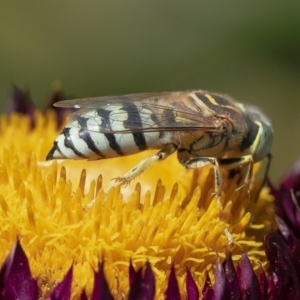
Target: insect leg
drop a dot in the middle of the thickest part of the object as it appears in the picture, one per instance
(145, 164)
(199, 162)
(265, 176)
(231, 163)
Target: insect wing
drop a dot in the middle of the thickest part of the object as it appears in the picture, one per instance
(101, 102)
(138, 113)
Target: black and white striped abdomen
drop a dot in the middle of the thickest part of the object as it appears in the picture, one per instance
(105, 133)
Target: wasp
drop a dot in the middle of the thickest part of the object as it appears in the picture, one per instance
(202, 127)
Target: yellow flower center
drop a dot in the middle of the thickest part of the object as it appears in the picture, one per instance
(168, 216)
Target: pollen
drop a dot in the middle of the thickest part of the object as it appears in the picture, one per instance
(64, 214)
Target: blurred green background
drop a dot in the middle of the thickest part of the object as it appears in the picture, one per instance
(247, 49)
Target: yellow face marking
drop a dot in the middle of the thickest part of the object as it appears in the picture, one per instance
(255, 143)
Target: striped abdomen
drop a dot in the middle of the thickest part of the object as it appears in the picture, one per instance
(94, 133)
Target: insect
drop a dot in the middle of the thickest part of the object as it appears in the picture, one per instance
(204, 128)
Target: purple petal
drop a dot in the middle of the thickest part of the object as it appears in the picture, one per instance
(263, 284)
(21, 102)
(207, 292)
(16, 276)
(231, 276)
(63, 290)
(279, 256)
(135, 285)
(287, 205)
(61, 112)
(296, 258)
(3, 272)
(132, 273)
(248, 281)
(221, 288)
(100, 290)
(147, 290)
(172, 292)
(292, 180)
(191, 287)
(289, 213)
(286, 230)
(56, 96)
(141, 287)
(83, 295)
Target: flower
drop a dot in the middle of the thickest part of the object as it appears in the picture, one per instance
(165, 231)
(230, 282)
(16, 281)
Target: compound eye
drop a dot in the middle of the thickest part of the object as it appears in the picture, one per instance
(265, 142)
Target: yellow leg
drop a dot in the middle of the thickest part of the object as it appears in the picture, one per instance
(144, 165)
(229, 163)
(199, 162)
